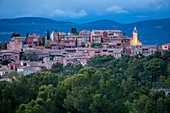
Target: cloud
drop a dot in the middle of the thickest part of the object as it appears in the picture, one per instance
(155, 5)
(78, 14)
(59, 12)
(69, 13)
(88, 9)
(141, 16)
(116, 10)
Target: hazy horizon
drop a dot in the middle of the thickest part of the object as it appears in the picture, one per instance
(76, 22)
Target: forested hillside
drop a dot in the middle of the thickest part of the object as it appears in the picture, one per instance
(106, 85)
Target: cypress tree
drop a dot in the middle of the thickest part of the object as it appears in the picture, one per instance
(48, 35)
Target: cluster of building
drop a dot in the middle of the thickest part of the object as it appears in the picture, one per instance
(33, 53)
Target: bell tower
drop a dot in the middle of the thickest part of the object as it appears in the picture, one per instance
(135, 36)
(135, 40)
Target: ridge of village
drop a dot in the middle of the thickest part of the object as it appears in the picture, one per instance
(33, 53)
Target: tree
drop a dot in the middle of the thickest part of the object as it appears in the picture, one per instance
(139, 56)
(161, 106)
(96, 44)
(117, 67)
(3, 45)
(74, 31)
(57, 68)
(134, 69)
(107, 85)
(145, 105)
(13, 74)
(92, 90)
(129, 107)
(92, 43)
(22, 56)
(78, 67)
(5, 62)
(43, 41)
(68, 69)
(166, 56)
(83, 44)
(43, 103)
(76, 43)
(48, 35)
(26, 39)
(47, 43)
(167, 104)
(99, 61)
(168, 69)
(100, 104)
(155, 68)
(40, 44)
(124, 34)
(15, 35)
(5, 104)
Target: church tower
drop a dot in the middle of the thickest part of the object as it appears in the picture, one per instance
(135, 36)
(135, 41)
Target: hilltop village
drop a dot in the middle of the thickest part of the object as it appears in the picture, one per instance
(33, 53)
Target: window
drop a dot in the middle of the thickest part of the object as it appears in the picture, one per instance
(152, 51)
(118, 44)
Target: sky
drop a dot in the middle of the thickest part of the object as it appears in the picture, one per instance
(82, 11)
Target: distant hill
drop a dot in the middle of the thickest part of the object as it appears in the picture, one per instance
(150, 32)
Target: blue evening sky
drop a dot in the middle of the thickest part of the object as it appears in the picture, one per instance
(81, 11)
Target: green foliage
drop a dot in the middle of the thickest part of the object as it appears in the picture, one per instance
(145, 105)
(76, 43)
(96, 45)
(166, 56)
(155, 68)
(24, 90)
(3, 45)
(47, 43)
(168, 69)
(107, 85)
(57, 68)
(22, 56)
(87, 91)
(99, 61)
(26, 39)
(68, 69)
(48, 35)
(92, 44)
(77, 67)
(5, 62)
(15, 35)
(74, 31)
(43, 42)
(13, 74)
(129, 107)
